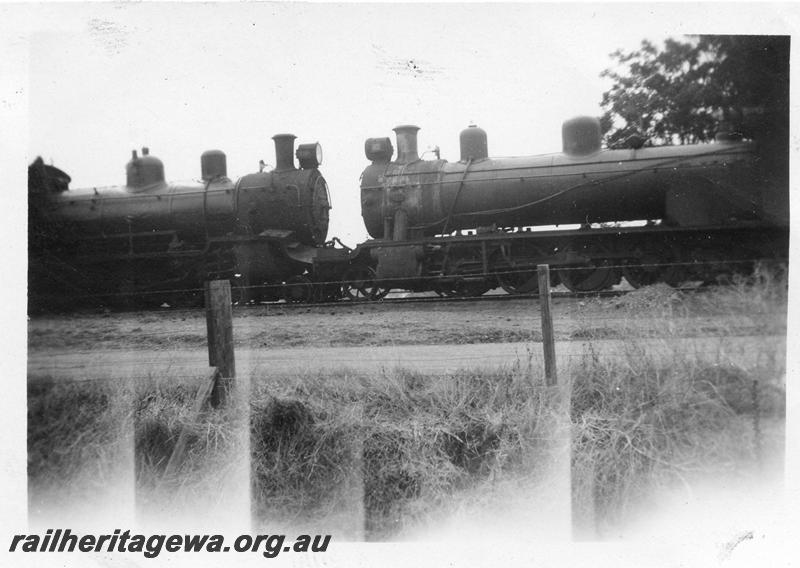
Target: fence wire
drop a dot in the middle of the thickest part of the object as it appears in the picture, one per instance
(277, 288)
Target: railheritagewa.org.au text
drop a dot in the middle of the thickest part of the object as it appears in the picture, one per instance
(64, 540)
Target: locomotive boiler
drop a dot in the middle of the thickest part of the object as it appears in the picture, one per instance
(476, 223)
(151, 239)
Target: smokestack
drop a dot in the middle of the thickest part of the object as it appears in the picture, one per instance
(284, 151)
(407, 143)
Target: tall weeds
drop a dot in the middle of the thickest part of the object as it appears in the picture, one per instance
(657, 415)
(400, 448)
(78, 444)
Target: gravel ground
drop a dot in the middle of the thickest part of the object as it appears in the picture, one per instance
(639, 314)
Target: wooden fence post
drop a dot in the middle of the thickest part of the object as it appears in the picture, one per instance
(548, 337)
(219, 320)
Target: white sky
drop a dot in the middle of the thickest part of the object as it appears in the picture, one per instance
(184, 78)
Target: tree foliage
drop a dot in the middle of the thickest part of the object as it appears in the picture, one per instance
(682, 92)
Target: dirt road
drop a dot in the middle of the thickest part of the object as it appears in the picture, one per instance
(189, 364)
(276, 339)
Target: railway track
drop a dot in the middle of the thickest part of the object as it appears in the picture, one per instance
(304, 293)
(173, 300)
(392, 299)
(413, 299)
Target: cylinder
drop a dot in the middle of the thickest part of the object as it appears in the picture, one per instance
(473, 143)
(581, 136)
(407, 143)
(213, 165)
(284, 151)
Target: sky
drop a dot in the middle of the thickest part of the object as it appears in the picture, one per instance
(183, 78)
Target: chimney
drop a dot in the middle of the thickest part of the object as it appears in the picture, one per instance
(407, 143)
(284, 151)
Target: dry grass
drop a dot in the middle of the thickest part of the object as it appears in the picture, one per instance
(398, 449)
(655, 416)
(78, 443)
(215, 457)
(379, 456)
(754, 304)
(639, 430)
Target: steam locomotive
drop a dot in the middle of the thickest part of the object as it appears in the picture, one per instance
(151, 241)
(648, 214)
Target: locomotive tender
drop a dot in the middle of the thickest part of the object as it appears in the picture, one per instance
(702, 210)
(158, 241)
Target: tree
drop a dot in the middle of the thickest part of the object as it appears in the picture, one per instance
(683, 92)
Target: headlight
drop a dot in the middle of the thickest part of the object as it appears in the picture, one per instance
(378, 149)
(309, 155)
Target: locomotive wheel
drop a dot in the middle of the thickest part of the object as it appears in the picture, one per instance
(594, 278)
(466, 288)
(638, 276)
(588, 279)
(380, 292)
(656, 269)
(707, 268)
(327, 293)
(464, 285)
(241, 292)
(178, 299)
(241, 295)
(674, 276)
(298, 290)
(359, 284)
(515, 281)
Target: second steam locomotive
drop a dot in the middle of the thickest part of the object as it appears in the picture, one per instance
(467, 226)
(648, 214)
(152, 241)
